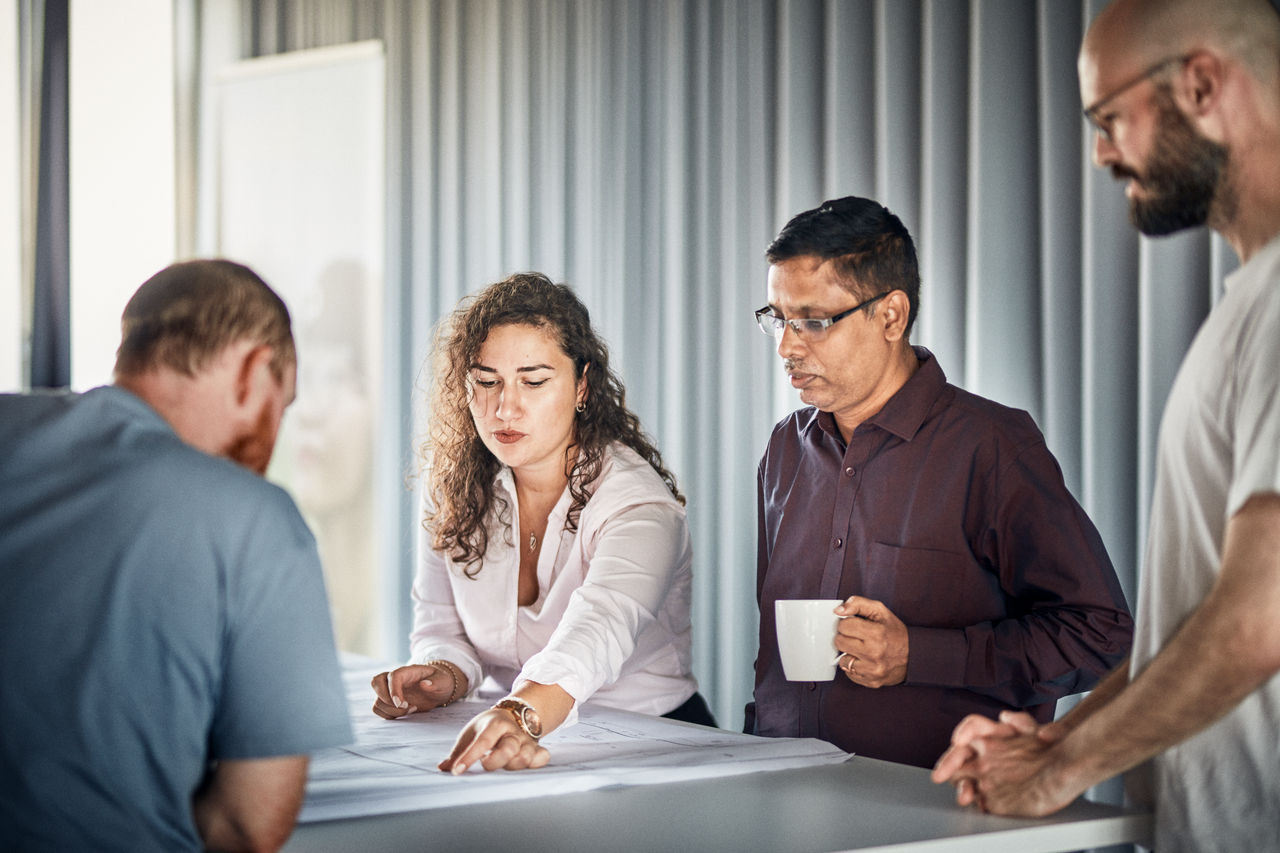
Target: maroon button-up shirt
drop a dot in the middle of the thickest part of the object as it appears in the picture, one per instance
(950, 510)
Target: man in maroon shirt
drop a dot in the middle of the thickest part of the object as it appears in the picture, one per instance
(972, 580)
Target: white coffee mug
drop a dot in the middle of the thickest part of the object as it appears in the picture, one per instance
(807, 638)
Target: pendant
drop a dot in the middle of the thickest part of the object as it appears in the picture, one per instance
(533, 542)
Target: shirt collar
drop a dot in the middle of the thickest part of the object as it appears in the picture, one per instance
(907, 409)
(1262, 257)
(124, 397)
(506, 479)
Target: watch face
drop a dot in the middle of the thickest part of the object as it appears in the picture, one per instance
(531, 721)
(525, 715)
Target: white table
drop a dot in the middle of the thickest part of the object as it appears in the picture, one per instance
(859, 804)
(862, 804)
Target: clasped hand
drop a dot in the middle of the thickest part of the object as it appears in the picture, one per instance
(1005, 767)
(407, 689)
(873, 643)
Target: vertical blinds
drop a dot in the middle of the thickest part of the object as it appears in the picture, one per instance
(647, 153)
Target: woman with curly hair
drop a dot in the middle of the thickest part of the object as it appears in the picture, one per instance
(555, 551)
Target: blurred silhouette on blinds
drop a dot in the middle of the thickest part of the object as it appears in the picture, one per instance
(331, 445)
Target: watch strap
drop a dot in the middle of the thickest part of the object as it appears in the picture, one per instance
(518, 708)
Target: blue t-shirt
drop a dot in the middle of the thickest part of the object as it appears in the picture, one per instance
(159, 609)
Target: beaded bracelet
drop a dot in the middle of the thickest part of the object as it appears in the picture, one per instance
(455, 674)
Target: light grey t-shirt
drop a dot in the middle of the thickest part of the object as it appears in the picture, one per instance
(1219, 445)
(159, 609)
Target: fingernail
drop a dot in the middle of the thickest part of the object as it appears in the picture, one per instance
(413, 709)
(459, 769)
(395, 700)
(425, 682)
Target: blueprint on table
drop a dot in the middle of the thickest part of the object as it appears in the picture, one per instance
(392, 765)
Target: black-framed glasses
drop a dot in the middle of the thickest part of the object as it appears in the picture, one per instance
(807, 328)
(1093, 114)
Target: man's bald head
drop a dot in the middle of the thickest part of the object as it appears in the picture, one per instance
(1130, 36)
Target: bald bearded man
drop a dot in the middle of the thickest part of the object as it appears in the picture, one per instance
(1185, 98)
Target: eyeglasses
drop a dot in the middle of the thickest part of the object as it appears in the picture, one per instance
(807, 328)
(1093, 112)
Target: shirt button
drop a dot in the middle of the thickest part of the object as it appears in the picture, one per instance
(837, 543)
(810, 685)
(848, 471)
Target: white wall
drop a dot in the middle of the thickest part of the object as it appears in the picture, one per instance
(10, 204)
(123, 210)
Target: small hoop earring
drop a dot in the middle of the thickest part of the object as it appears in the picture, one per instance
(581, 407)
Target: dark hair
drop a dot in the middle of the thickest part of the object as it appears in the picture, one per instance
(460, 469)
(871, 248)
(187, 313)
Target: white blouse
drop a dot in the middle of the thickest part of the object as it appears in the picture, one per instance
(611, 621)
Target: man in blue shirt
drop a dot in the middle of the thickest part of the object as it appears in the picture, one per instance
(166, 656)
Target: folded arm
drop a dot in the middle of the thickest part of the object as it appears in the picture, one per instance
(1068, 624)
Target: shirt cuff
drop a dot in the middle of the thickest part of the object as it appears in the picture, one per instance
(570, 720)
(936, 657)
(565, 671)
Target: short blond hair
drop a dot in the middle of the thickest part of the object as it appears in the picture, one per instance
(187, 313)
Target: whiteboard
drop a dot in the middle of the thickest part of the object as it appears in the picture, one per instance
(301, 198)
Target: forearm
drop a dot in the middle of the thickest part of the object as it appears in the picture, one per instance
(250, 805)
(1040, 657)
(1107, 690)
(1224, 650)
(1222, 653)
(551, 702)
(1186, 688)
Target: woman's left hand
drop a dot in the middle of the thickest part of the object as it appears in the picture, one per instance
(497, 741)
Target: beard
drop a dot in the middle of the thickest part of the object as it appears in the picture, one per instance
(253, 448)
(1183, 176)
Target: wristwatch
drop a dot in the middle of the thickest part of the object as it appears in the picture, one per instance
(526, 715)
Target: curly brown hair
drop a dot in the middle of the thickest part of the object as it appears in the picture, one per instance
(460, 469)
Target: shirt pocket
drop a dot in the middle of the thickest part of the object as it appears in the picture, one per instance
(929, 588)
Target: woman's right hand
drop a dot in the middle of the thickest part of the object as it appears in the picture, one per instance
(417, 687)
